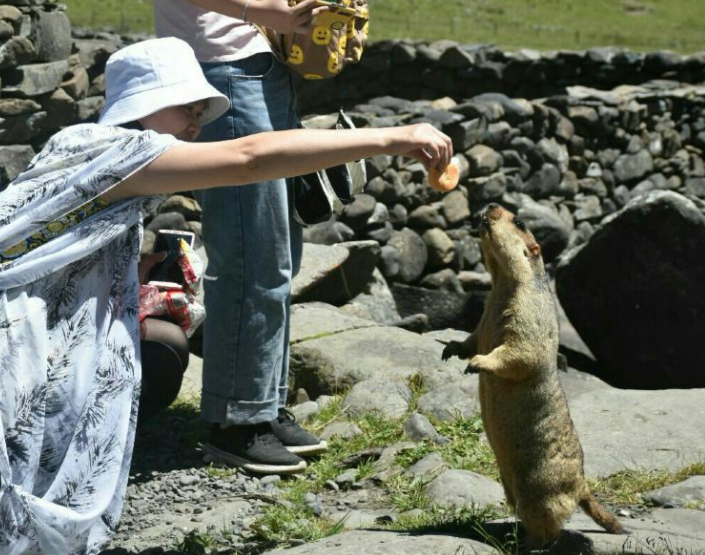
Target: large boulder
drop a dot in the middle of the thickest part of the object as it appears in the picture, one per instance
(334, 274)
(634, 293)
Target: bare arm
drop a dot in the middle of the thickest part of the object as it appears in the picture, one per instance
(277, 154)
(275, 14)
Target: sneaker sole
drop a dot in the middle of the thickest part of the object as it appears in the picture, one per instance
(317, 449)
(258, 468)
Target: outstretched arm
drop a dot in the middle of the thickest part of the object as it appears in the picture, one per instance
(277, 154)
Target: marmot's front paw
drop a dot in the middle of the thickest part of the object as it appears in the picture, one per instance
(470, 369)
(452, 349)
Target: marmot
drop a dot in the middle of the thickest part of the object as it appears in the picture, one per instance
(524, 408)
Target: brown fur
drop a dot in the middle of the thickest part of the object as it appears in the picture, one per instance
(524, 408)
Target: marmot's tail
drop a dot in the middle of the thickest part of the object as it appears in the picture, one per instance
(600, 515)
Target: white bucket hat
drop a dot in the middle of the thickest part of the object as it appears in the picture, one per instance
(154, 74)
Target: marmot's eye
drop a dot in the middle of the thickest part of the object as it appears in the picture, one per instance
(520, 224)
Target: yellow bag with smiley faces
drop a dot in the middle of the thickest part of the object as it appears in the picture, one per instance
(337, 38)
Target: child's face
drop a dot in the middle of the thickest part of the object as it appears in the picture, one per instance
(180, 121)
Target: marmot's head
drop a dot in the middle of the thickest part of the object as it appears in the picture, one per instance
(509, 248)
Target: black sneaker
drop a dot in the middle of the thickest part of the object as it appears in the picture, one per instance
(294, 438)
(253, 448)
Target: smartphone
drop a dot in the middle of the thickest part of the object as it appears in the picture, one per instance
(168, 272)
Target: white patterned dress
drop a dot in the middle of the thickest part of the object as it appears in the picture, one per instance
(69, 340)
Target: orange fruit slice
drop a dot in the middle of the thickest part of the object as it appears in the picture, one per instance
(445, 180)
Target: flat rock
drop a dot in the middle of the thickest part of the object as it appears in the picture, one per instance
(462, 488)
(332, 351)
(383, 397)
(629, 429)
(691, 490)
(344, 430)
(452, 400)
(663, 531)
(389, 543)
(428, 466)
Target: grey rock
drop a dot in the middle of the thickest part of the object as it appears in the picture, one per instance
(419, 428)
(187, 206)
(546, 224)
(305, 411)
(89, 108)
(587, 208)
(445, 279)
(386, 398)
(334, 274)
(328, 233)
(636, 293)
(388, 543)
(430, 465)
(34, 80)
(61, 110)
(375, 303)
(612, 425)
(447, 402)
(631, 167)
(487, 188)
(344, 430)
(13, 161)
(16, 51)
(544, 183)
(475, 281)
(426, 217)
(20, 129)
(77, 85)
(462, 488)
(441, 248)
(52, 35)
(445, 309)
(328, 355)
(663, 530)
(413, 254)
(455, 207)
(691, 490)
(18, 106)
(483, 160)
(467, 133)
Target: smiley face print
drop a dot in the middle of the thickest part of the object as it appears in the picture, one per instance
(322, 35)
(333, 63)
(296, 55)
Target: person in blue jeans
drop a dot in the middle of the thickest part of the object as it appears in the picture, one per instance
(252, 242)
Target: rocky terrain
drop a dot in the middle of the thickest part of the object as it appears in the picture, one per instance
(600, 152)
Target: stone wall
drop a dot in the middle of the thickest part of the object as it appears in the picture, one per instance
(419, 70)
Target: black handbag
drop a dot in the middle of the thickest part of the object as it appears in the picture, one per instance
(319, 195)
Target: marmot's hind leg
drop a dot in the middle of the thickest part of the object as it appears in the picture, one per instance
(541, 521)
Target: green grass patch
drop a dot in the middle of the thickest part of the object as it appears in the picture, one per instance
(626, 487)
(545, 24)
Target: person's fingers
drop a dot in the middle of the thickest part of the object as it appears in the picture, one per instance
(305, 6)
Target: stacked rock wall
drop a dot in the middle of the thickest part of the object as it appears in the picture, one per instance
(419, 70)
(562, 163)
(48, 79)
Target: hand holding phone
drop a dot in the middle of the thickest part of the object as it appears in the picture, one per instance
(168, 272)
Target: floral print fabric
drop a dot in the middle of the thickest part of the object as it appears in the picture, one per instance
(69, 342)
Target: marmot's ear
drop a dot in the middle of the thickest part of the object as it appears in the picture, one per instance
(535, 249)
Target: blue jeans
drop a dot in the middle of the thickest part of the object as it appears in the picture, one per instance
(254, 250)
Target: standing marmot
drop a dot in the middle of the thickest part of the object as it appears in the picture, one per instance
(524, 408)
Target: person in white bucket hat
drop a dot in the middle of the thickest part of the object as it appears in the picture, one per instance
(153, 75)
(70, 233)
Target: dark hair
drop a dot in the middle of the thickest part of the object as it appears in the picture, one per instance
(132, 125)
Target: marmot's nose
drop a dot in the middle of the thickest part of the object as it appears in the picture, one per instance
(492, 211)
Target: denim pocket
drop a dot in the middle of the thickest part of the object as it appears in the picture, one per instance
(254, 68)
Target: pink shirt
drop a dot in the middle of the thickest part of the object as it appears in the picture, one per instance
(213, 37)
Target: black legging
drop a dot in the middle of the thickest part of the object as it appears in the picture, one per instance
(164, 360)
